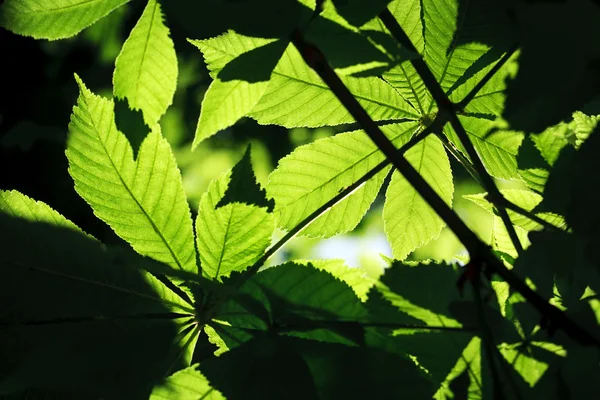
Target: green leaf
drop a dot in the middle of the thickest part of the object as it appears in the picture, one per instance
(224, 104)
(525, 199)
(583, 125)
(446, 25)
(313, 174)
(296, 299)
(307, 369)
(424, 291)
(409, 222)
(146, 68)
(435, 351)
(142, 200)
(404, 77)
(241, 67)
(497, 148)
(354, 277)
(296, 97)
(61, 291)
(18, 205)
(551, 142)
(53, 19)
(221, 50)
(187, 384)
(232, 231)
(353, 51)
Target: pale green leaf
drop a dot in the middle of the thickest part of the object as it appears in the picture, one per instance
(224, 104)
(313, 174)
(142, 200)
(53, 19)
(296, 96)
(146, 68)
(18, 205)
(232, 237)
(409, 222)
(187, 384)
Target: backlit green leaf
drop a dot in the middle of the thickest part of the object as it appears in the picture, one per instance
(229, 99)
(404, 77)
(409, 222)
(146, 68)
(525, 199)
(220, 50)
(354, 277)
(18, 205)
(53, 19)
(143, 199)
(296, 96)
(224, 104)
(313, 174)
(187, 384)
(497, 149)
(231, 236)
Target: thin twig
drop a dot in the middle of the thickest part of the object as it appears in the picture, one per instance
(444, 104)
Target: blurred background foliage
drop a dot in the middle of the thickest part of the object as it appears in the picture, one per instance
(39, 91)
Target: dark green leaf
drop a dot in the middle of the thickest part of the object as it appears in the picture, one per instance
(80, 317)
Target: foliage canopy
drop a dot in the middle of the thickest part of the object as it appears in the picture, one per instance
(190, 309)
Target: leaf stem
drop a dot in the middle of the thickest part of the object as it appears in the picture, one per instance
(444, 104)
(478, 250)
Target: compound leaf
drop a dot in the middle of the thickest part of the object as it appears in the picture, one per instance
(53, 19)
(313, 174)
(408, 221)
(146, 69)
(142, 200)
